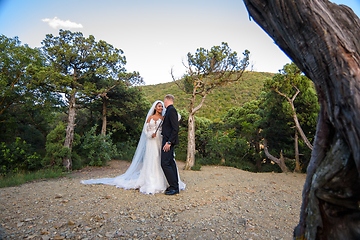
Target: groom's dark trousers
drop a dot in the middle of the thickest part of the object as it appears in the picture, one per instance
(170, 130)
(168, 165)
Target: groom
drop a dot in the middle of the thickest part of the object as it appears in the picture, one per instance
(170, 130)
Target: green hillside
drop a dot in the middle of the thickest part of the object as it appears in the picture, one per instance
(217, 102)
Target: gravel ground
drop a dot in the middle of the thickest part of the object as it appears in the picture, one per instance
(218, 203)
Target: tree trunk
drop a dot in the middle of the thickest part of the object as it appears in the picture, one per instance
(69, 138)
(322, 39)
(279, 161)
(190, 159)
(103, 129)
(296, 120)
(299, 129)
(297, 160)
(257, 149)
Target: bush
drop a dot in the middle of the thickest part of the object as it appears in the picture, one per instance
(226, 148)
(126, 150)
(196, 167)
(243, 165)
(55, 150)
(97, 149)
(201, 126)
(270, 167)
(76, 162)
(18, 156)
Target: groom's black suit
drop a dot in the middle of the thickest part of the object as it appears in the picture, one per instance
(170, 131)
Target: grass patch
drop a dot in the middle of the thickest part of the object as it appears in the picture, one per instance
(16, 179)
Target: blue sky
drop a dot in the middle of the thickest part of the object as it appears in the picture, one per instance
(154, 35)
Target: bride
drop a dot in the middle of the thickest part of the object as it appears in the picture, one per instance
(145, 172)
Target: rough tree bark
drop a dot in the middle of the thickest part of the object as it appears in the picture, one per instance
(297, 159)
(190, 158)
(104, 116)
(69, 137)
(322, 39)
(257, 149)
(105, 102)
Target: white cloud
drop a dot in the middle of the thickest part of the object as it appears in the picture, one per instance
(57, 23)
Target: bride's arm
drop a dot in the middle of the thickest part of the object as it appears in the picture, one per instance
(148, 120)
(149, 131)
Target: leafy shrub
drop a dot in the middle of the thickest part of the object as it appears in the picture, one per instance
(126, 150)
(18, 156)
(226, 148)
(196, 167)
(243, 165)
(290, 163)
(201, 126)
(97, 149)
(76, 161)
(55, 150)
(270, 167)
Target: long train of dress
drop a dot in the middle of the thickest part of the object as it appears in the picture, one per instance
(146, 174)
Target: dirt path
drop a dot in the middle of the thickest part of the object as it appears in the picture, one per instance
(218, 203)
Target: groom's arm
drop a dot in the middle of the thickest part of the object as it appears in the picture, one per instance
(173, 117)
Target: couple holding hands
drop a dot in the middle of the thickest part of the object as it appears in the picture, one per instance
(153, 168)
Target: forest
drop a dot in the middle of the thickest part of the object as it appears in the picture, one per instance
(72, 104)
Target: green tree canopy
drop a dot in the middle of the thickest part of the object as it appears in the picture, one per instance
(24, 105)
(206, 71)
(16, 86)
(72, 58)
(278, 123)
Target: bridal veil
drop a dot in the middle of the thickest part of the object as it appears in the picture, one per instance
(129, 178)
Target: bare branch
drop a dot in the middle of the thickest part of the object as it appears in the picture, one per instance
(177, 82)
(297, 92)
(296, 120)
(200, 104)
(278, 161)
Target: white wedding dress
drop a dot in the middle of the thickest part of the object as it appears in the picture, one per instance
(145, 172)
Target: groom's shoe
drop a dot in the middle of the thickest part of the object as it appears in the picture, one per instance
(167, 189)
(172, 192)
